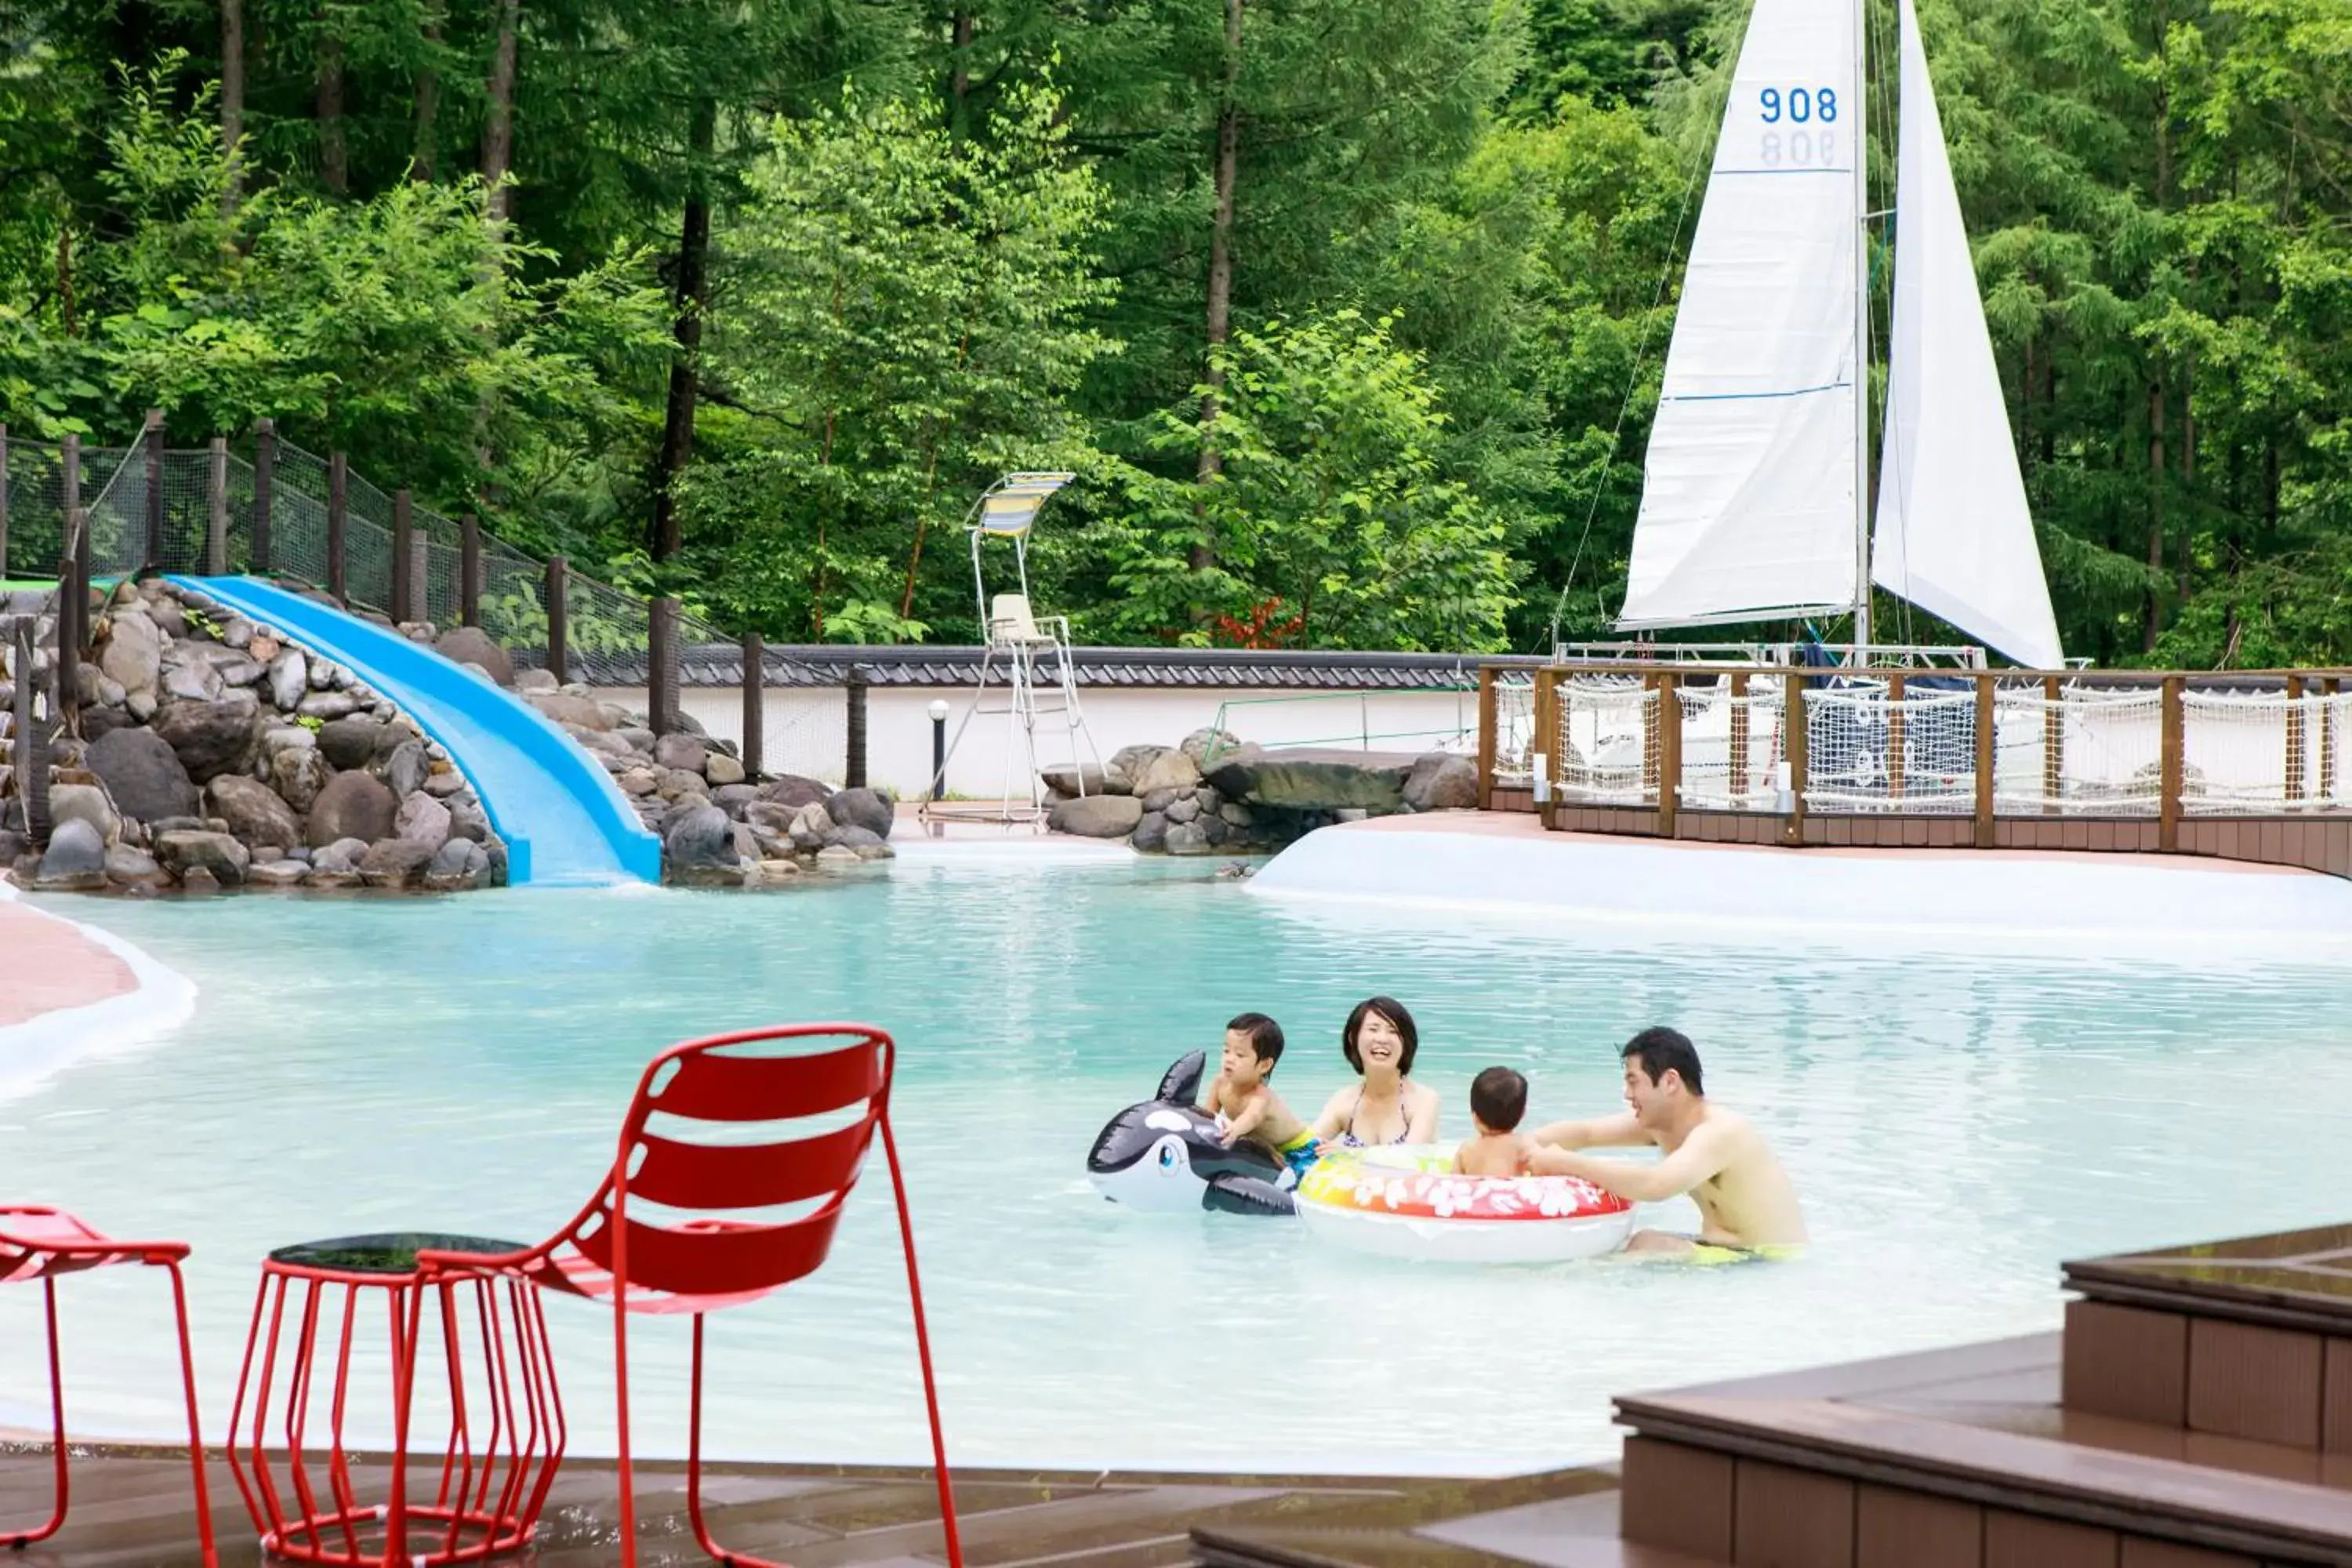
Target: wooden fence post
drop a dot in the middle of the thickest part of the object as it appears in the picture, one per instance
(2169, 768)
(1670, 751)
(1796, 728)
(1986, 759)
(661, 652)
(2298, 757)
(854, 766)
(339, 483)
(216, 511)
(469, 570)
(404, 559)
(265, 465)
(32, 761)
(73, 593)
(755, 705)
(2054, 745)
(559, 619)
(1544, 780)
(1489, 747)
(151, 442)
(3, 503)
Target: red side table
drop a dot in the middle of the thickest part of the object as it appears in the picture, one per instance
(506, 1429)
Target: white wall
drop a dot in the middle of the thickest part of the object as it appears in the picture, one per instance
(805, 730)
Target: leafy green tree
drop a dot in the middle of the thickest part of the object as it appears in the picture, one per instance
(1329, 499)
(905, 318)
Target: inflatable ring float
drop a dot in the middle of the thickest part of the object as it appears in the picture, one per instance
(1408, 1203)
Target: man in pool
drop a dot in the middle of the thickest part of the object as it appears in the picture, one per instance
(1746, 1206)
(1245, 1105)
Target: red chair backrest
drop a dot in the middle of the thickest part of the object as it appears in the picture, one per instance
(714, 1081)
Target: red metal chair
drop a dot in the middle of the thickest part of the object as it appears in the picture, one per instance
(695, 1260)
(41, 1244)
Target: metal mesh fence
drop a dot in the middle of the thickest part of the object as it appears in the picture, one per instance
(37, 506)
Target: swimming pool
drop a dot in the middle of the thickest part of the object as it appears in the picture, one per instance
(1957, 1124)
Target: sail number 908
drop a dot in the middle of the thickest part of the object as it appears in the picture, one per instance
(1801, 105)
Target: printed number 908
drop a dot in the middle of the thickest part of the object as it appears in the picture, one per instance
(1801, 105)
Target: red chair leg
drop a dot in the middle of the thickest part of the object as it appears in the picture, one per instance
(923, 1352)
(195, 1427)
(17, 1541)
(694, 1471)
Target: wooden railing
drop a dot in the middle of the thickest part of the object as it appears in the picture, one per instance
(2242, 764)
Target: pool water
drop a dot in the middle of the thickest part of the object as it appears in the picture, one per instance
(1958, 1123)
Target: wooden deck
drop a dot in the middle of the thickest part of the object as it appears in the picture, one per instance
(133, 1509)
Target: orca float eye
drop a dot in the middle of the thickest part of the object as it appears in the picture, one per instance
(1167, 1158)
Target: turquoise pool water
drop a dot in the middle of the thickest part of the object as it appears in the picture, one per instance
(1957, 1125)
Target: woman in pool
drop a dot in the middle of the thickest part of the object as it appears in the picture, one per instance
(1387, 1107)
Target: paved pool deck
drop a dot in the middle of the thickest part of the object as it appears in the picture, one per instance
(49, 965)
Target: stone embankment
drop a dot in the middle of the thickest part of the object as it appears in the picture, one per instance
(1216, 795)
(215, 754)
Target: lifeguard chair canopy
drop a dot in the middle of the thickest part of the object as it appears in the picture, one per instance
(1009, 505)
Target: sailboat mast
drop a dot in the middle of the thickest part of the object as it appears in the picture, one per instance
(1861, 132)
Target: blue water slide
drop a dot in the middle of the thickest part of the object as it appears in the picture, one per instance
(563, 817)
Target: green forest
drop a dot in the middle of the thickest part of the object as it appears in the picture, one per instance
(1348, 314)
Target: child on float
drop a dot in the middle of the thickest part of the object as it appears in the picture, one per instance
(1498, 1098)
(1245, 1105)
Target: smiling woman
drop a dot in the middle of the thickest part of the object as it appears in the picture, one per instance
(1380, 1041)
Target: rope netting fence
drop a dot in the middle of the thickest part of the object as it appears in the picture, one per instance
(2088, 749)
(199, 512)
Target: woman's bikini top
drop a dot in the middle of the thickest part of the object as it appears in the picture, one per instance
(1349, 1138)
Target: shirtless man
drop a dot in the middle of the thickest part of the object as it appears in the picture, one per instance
(1746, 1203)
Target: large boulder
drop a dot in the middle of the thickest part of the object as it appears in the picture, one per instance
(1200, 743)
(1371, 782)
(356, 741)
(143, 774)
(722, 770)
(1164, 767)
(186, 850)
(681, 751)
(1086, 780)
(129, 867)
(404, 771)
(351, 805)
(566, 708)
(1096, 815)
(134, 654)
(297, 773)
(791, 789)
(422, 820)
(289, 679)
(85, 803)
(75, 861)
(699, 848)
(1441, 781)
(862, 807)
(471, 645)
(457, 865)
(209, 738)
(1151, 832)
(395, 863)
(255, 815)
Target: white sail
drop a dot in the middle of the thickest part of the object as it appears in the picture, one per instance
(1747, 496)
(1953, 536)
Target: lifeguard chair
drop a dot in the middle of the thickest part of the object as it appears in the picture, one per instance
(1025, 661)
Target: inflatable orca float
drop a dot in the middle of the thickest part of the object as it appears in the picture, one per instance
(1163, 1155)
